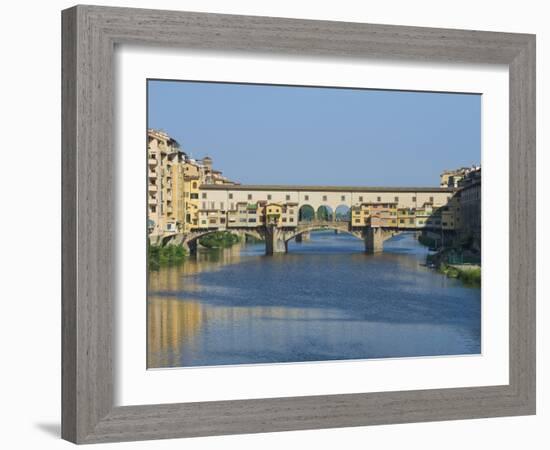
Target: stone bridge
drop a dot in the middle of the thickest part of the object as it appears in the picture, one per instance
(277, 238)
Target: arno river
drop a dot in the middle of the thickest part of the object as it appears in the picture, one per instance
(324, 300)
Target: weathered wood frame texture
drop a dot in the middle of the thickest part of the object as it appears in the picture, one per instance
(89, 37)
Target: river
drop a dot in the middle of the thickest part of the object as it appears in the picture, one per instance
(324, 300)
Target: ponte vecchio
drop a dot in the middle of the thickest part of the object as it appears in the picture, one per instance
(278, 213)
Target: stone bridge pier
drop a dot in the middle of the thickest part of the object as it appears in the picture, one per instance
(275, 241)
(374, 238)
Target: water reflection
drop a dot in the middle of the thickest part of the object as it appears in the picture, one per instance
(325, 300)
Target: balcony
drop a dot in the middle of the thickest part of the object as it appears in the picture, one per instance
(153, 188)
(152, 161)
(152, 174)
(152, 201)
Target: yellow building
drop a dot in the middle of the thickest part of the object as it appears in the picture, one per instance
(374, 214)
(175, 193)
(406, 218)
(450, 215)
(360, 215)
(163, 153)
(273, 213)
(383, 214)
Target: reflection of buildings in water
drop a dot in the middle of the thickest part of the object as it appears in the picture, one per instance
(170, 323)
(171, 278)
(173, 325)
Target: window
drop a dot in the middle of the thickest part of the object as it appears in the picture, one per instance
(378, 199)
(212, 205)
(203, 205)
(204, 195)
(396, 199)
(252, 220)
(221, 205)
(194, 195)
(401, 220)
(222, 219)
(357, 220)
(194, 185)
(343, 198)
(212, 220)
(288, 197)
(230, 196)
(291, 211)
(269, 196)
(431, 199)
(284, 219)
(291, 219)
(249, 196)
(414, 199)
(360, 198)
(411, 220)
(203, 222)
(306, 197)
(324, 198)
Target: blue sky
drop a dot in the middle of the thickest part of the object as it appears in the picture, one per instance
(259, 134)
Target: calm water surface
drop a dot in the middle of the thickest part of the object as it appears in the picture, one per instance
(324, 300)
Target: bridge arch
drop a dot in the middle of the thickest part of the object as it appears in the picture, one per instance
(320, 226)
(167, 239)
(197, 235)
(189, 240)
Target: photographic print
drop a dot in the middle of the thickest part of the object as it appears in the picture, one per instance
(291, 224)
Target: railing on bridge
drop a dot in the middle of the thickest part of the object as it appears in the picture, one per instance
(341, 223)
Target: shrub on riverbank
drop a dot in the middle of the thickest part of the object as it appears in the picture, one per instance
(168, 255)
(470, 276)
(219, 239)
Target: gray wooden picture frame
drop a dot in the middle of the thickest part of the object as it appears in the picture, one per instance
(90, 34)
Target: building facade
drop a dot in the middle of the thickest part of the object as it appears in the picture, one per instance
(173, 182)
(163, 155)
(452, 178)
(469, 199)
(186, 195)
